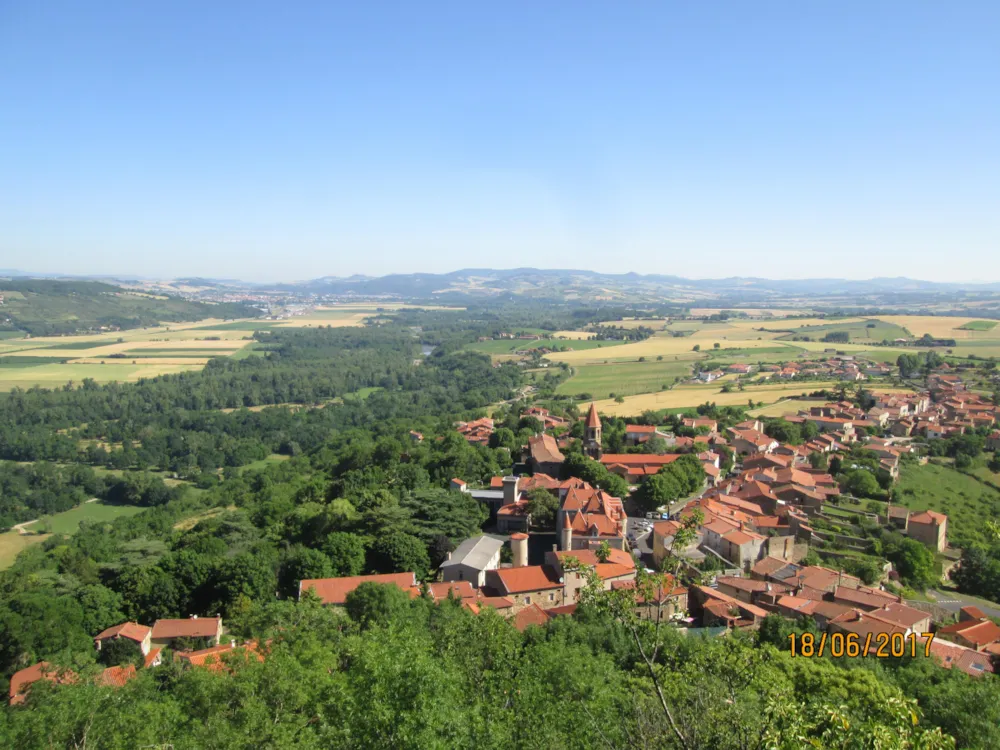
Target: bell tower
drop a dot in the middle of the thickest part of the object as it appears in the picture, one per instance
(592, 433)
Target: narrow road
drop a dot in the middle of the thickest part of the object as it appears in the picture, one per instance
(953, 601)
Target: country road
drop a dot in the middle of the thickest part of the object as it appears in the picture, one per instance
(953, 601)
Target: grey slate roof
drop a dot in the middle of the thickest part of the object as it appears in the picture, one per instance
(475, 552)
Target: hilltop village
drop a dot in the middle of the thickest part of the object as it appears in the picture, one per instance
(730, 522)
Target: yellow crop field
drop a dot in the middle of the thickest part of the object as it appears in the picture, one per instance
(54, 375)
(693, 395)
(784, 407)
(574, 335)
(152, 361)
(939, 326)
(656, 324)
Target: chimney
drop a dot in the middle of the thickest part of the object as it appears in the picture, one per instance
(510, 490)
(519, 548)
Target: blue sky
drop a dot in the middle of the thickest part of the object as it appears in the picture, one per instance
(294, 140)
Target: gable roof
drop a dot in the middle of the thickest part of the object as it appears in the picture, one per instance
(20, 680)
(529, 616)
(527, 578)
(475, 552)
(116, 676)
(335, 590)
(131, 630)
(544, 449)
(929, 517)
(189, 627)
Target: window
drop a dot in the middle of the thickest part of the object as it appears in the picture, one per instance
(527, 600)
(552, 597)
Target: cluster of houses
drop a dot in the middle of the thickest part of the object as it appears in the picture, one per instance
(839, 367)
(178, 635)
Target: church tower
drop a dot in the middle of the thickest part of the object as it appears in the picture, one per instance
(592, 433)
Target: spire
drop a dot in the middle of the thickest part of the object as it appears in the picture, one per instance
(566, 523)
(592, 419)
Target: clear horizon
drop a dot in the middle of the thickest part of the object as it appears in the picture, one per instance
(778, 141)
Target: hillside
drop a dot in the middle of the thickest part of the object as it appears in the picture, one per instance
(46, 307)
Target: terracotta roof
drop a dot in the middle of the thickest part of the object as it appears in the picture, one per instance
(335, 590)
(131, 630)
(151, 657)
(530, 615)
(640, 429)
(929, 516)
(973, 612)
(544, 449)
(951, 655)
(639, 459)
(797, 605)
(592, 419)
(116, 676)
(211, 658)
(439, 591)
(980, 633)
(770, 565)
(527, 578)
(190, 627)
(20, 680)
(901, 614)
(862, 598)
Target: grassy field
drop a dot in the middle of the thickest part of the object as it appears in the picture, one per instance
(12, 543)
(625, 378)
(858, 330)
(979, 325)
(966, 501)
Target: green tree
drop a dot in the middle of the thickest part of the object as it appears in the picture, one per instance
(543, 506)
(398, 552)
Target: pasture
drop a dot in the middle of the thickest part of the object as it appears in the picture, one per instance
(979, 325)
(965, 499)
(12, 543)
(625, 378)
(785, 407)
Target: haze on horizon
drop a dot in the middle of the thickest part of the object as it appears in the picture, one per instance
(240, 140)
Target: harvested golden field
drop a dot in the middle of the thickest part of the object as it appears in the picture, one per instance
(655, 323)
(784, 407)
(144, 361)
(574, 335)
(693, 395)
(939, 326)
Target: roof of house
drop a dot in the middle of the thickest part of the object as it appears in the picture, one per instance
(189, 627)
(151, 656)
(40, 671)
(335, 590)
(592, 419)
(930, 517)
(439, 591)
(529, 616)
(770, 565)
(725, 598)
(640, 429)
(211, 658)
(639, 459)
(131, 630)
(973, 612)
(751, 585)
(901, 614)
(475, 552)
(952, 655)
(863, 623)
(116, 676)
(544, 449)
(798, 605)
(861, 598)
(527, 578)
(979, 633)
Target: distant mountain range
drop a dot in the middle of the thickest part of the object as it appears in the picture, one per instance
(591, 286)
(534, 282)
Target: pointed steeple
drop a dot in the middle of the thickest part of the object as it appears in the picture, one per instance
(592, 419)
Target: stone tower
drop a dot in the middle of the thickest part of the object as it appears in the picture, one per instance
(592, 433)
(566, 534)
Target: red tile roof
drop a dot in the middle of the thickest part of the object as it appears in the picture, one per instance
(529, 616)
(527, 578)
(211, 658)
(335, 590)
(544, 449)
(979, 633)
(131, 630)
(116, 676)
(592, 419)
(190, 627)
(930, 517)
(21, 679)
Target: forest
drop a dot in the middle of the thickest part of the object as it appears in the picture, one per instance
(358, 494)
(43, 307)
